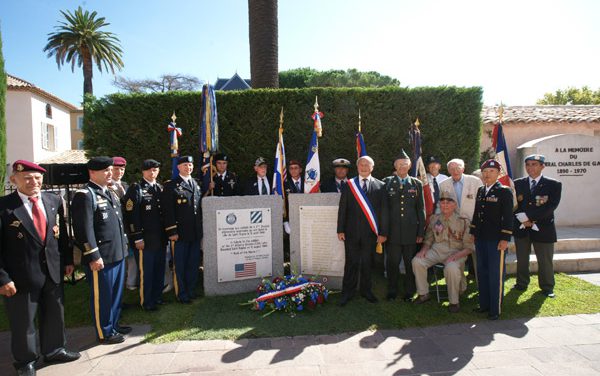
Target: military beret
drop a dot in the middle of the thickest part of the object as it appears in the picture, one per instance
(221, 157)
(491, 163)
(402, 155)
(119, 161)
(447, 195)
(294, 162)
(150, 163)
(431, 159)
(260, 161)
(23, 165)
(341, 162)
(185, 159)
(99, 163)
(536, 157)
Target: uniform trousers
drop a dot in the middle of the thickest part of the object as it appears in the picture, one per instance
(132, 274)
(185, 268)
(151, 264)
(21, 310)
(358, 260)
(392, 267)
(490, 274)
(544, 252)
(106, 293)
(453, 272)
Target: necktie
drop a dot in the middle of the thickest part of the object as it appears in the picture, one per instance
(263, 187)
(364, 185)
(436, 191)
(533, 184)
(298, 186)
(39, 221)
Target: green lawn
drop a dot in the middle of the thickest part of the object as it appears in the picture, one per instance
(223, 318)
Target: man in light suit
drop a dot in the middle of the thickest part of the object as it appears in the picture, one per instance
(465, 190)
(34, 256)
(537, 198)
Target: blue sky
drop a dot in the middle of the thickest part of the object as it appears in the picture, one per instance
(516, 50)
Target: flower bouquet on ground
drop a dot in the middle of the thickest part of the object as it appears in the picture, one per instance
(290, 293)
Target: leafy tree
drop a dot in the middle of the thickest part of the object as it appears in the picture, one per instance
(572, 95)
(80, 41)
(2, 118)
(307, 77)
(166, 82)
(263, 34)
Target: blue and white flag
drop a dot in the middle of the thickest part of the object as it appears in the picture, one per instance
(312, 176)
(280, 172)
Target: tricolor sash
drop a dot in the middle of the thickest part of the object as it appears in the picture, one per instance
(364, 203)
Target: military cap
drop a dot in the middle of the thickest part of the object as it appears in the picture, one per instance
(341, 162)
(447, 195)
(294, 162)
(119, 161)
(491, 163)
(431, 159)
(23, 165)
(185, 159)
(221, 157)
(150, 163)
(99, 163)
(260, 161)
(402, 155)
(536, 157)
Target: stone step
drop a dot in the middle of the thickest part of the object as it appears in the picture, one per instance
(570, 245)
(587, 261)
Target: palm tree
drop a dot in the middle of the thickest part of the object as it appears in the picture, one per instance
(79, 41)
(262, 20)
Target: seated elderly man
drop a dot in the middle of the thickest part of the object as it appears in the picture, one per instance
(447, 241)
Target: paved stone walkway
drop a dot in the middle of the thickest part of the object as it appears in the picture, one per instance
(567, 345)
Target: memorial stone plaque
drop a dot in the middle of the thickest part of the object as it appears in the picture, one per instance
(314, 247)
(243, 242)
(573, 159)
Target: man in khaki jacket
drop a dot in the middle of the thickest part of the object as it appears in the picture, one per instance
(447, 241)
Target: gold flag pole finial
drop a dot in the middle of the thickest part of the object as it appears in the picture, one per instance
(317, 125)
(359, 127)
(281, 118)
(417, 123)
(173, 117)
(501, 112)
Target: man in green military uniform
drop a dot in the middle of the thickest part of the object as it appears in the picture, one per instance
(406, 205)
(447, 241)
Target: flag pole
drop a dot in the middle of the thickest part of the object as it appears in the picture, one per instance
(359, 127)
(280, 162)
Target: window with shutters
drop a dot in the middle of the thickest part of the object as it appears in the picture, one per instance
(48, 137)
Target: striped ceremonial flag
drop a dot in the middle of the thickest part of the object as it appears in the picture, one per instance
(418, 167)
(247, 269)
(501, 149)
(312, 175)
(280, 172)
(361, 149)
(174, 134)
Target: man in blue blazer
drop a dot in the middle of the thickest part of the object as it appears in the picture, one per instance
(538, 197)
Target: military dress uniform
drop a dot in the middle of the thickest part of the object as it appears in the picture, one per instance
(144, 213)
(444, 237)
(492, 221)
(35, 265)
(226, 185)
(406, 206)
(183, 217)
(538, 201)
(99, 233)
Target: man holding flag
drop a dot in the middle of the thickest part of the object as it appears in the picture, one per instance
(362, 223)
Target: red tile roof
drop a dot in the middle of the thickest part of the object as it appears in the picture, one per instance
(18, 84)
(543, 114)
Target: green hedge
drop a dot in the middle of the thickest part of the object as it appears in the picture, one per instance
(135, 125)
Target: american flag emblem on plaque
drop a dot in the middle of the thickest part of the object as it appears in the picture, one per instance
(247, 269)
(256, 216)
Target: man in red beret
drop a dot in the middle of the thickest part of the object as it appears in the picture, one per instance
(34, 256)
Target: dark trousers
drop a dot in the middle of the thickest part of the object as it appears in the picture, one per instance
(151, 265)
(106, 293)
(21, 310)
(544, 252)
(186, 265)
(394, 253)
(490, 274)
(358, 260)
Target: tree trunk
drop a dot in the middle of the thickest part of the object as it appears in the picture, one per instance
(87, 72)
(262, 20)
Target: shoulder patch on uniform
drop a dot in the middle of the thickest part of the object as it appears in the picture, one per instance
(129, 205)
(82, 191)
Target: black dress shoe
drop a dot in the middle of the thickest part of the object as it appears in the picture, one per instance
(160, 302)
(26, 370)
(391, 296)
(519, 288)
(185, 301)
(150, 308)
(111, 340)
(371, 298)
(549, 294)
(123, 329)
(480, 310)
(344, 301)
(62, 356)
(493, 317)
